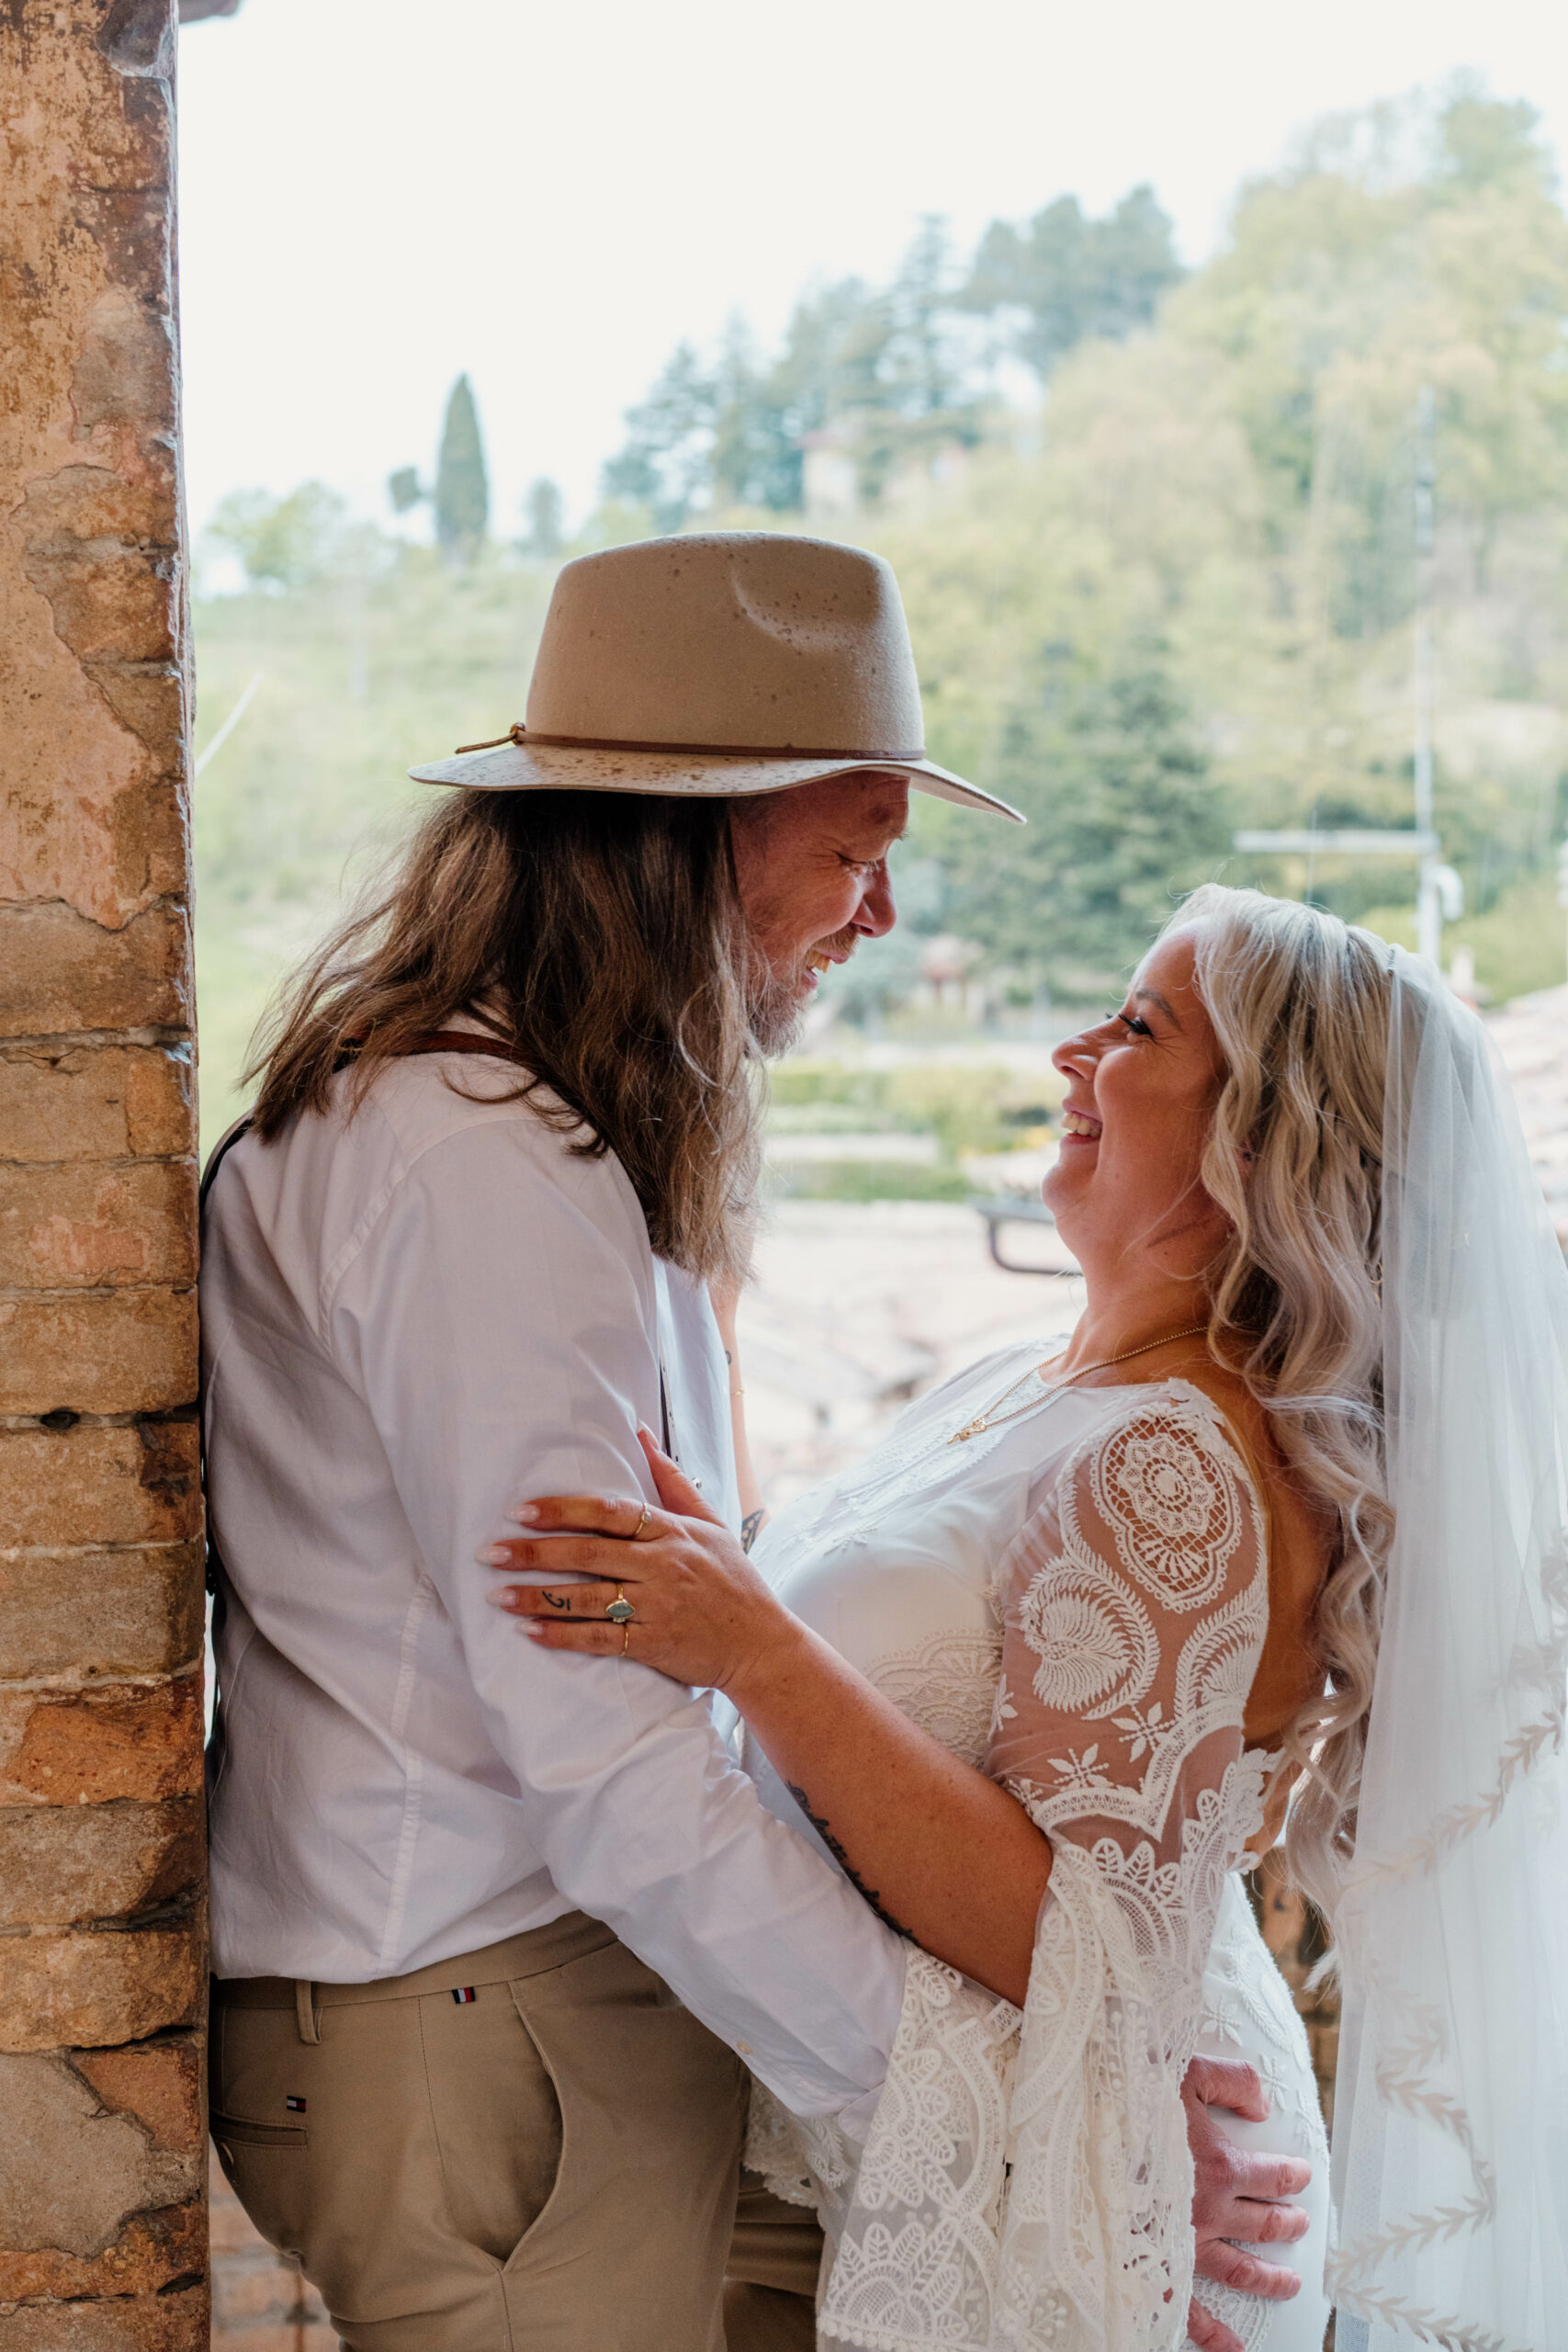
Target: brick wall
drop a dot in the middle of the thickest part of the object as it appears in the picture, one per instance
(102, 1961)
(1294, 1933)
(261, 2301)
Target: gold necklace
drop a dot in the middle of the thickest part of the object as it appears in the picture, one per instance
(987, 1420)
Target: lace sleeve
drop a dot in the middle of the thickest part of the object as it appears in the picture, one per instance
(1027, 2181)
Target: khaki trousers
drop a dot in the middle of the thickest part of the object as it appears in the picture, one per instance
(549, 2161)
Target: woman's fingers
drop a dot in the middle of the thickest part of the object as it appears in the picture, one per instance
(557, 1604)
(627, 1517)
(596, 1640)
(587, 1555)
(675, 1491)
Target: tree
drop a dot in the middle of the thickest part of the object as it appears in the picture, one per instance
(542, 507)
(1123, 816)
(285, 543)
(1073, 278)
(665, 464)
(462, 491)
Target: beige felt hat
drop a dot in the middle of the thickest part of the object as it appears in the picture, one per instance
(729, 662)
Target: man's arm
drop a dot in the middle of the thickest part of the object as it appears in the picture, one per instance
(499, 1324)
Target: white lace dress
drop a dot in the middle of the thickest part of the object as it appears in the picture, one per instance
(1076, 1600)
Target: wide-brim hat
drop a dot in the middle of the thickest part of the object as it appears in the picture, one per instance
(728, 661)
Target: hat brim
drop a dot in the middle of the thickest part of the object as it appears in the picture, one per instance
(563, 767)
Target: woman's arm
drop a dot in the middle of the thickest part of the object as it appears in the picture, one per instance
(944, 1854)
(726, 1297)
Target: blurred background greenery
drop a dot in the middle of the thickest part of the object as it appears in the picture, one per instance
(1154, 533)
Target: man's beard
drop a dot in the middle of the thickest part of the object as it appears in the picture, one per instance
(774, 1012)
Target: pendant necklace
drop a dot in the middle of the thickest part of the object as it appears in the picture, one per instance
(993, 1416)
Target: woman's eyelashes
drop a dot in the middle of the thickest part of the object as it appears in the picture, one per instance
(1139, 1028)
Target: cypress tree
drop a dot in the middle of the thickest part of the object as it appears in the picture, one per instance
(462, 491)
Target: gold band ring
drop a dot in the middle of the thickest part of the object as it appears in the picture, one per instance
(626, 1639)
(642, 1522)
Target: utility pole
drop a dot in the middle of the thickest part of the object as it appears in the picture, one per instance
(1430, 892)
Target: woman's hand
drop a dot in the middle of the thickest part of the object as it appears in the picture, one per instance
(703, 1614)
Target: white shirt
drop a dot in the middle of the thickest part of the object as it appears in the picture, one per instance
(411, 1319)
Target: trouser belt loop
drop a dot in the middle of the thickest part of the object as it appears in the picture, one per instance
(305, 2010)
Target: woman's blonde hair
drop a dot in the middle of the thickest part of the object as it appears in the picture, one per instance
(601, 934)
(1300, 1006)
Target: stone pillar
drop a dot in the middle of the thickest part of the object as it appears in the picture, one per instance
(102, 1962)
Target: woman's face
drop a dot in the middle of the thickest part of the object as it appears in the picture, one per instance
(1141, 1095)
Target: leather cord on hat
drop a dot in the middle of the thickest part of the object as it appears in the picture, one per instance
(519, 734)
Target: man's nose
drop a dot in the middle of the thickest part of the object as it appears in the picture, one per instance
(877, 913)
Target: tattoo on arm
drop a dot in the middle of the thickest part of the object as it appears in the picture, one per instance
(819, 1823)
(750, 1528)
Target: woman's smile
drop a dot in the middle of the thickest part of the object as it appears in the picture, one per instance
(1079, 1126)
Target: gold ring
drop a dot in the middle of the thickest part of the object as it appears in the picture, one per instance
(626, 1639)
(642, 1522)
(620, 1610)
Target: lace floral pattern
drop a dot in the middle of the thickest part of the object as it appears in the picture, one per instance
(946, 1684)
(1026, 2183)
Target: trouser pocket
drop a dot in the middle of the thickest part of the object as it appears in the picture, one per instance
(495, 2115)
(266, 2166)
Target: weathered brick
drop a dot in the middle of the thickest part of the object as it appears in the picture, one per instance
(59, 971)
(100, 1612)
(175, 2321)
(95, 1103)
(88, 1990)
(160, 1099)
(160, 2084)
(123, 1352)
(98, 1744)
(92, 1484)
(90, 1228)
(109, 603)
(72, 2175)
(150, 2253)
(63, 1866)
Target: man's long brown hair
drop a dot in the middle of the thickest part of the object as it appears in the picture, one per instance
(599, 935)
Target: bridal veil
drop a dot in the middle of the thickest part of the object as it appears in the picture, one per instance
(1450, 2139)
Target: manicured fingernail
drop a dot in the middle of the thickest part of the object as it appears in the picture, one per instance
(534, 1630)
(492, 1555)
(525, 1513)
(498, 1596)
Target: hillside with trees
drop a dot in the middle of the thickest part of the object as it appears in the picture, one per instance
(1156, 536)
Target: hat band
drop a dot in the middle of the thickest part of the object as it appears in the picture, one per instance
(522, 735)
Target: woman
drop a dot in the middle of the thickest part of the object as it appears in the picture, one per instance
(1287, 1175)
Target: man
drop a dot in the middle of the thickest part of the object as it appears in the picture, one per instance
(493, 1940)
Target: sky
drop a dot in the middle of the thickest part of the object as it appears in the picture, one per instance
(377, 194)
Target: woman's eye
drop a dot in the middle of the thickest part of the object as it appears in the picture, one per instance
(1139, 1028)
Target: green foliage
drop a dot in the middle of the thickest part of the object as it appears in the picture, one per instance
(969, 1106)
(404, 490)
(1073, 278)
(1186, 606)
(286, 543)
(365, 673)
(542, 506)
(1123, 816)
(868, 1180)
(462, 489)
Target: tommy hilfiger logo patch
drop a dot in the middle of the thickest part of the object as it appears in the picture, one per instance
(295, 2106)
(463, 1995)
